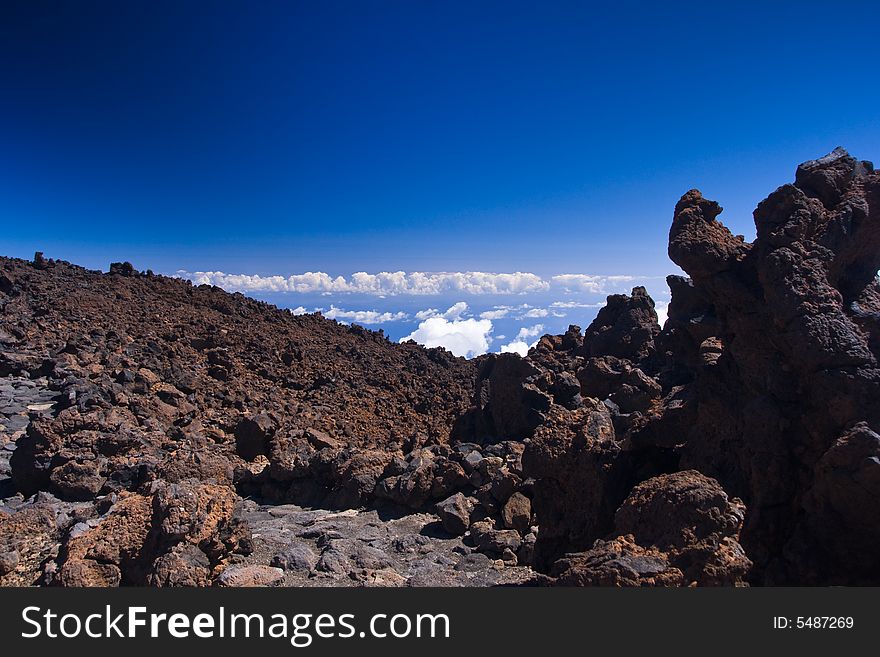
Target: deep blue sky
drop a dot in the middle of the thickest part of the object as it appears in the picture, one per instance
(552, 137)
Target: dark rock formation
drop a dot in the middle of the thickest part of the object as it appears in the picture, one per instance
(765, 379)
(673, 530)
(625, 327)
(455, 513)
(789, 403)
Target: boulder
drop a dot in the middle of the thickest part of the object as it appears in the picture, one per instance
(455, 513)
(620, 562)
(296, 556)
(517, 513)
(625, 327)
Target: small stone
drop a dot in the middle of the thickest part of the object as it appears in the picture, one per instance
(472, 563)
(494, 541)
(384, 577)
(295, 557)
(320, 440)
(77, 482)
(526, 553)
(508, 556)
(247, 576)
(472, 460)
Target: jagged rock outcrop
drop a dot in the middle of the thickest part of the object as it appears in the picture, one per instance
(765, 378)
(789, 403)
(510, 399)
(625, 327)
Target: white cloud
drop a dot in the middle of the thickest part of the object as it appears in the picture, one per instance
(531, 332)
(415, 283)
(463, 337)
(520, 347)
(498, 312)
(594, 284)
(456, 311)
(363, 316)
(519, 344)
(299, 310)
(576, 304)
(381, 284)
(522, 311)
(516, 347)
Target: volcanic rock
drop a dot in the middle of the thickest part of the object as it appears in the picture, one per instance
(252, 435)
(625, 327)
(517, 513)
(241, 576)
(796, 383)
(295, 557)
(455, 513)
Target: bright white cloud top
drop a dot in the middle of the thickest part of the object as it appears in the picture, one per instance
(519, 344)
(463, 337)
(594, 284)
(516, 347)
(530, 332)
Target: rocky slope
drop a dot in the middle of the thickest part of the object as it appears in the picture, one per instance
(163, 434)
(139, 411)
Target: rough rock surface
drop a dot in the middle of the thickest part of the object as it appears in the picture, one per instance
(765, 378)
(785, 416)
(136, 411)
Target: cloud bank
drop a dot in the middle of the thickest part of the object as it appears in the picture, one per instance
(414, 283)
(594, 284)
(381, 284)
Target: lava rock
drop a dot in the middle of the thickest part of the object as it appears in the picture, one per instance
(249, 576)
(455, 513)
(517, 513)
(252, 435)
(295, 556)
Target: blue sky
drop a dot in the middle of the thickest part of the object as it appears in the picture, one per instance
(278, 138)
